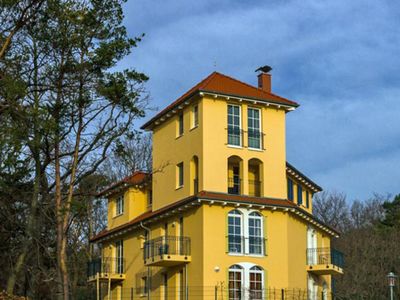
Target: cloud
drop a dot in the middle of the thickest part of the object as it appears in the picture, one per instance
(339, 59)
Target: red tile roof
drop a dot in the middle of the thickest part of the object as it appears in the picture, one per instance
(209, 196)
(137, 177)
(221, 84)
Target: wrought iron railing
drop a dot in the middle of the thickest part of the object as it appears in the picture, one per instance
(111, 265)
(167, 245)
(322, 256)
(252, 245)
(255, 139)
(234, 185)
(255, 188)
(235, 136)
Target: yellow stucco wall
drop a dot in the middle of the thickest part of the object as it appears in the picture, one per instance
(284, 264)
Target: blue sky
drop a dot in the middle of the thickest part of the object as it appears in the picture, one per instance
(339, 59)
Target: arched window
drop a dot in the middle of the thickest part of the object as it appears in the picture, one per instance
(256, 283)
(235, 282)
(256, 240)
(235, 243)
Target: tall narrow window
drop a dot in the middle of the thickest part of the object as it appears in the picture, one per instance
(256, 283)
(119, 209)
(234, 126)
(307, 199)
(165, 284)
(256, 240)
(145, 285)
(149, 198)
(179, 168)
(235, 243)
(254, 125)
(119, 257)
(180, 124)
(299, 194)
(195, 115)
(235, 282)
(290, 189)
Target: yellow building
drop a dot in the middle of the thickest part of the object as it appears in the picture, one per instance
(223, 215)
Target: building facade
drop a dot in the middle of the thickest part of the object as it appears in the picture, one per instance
(223, 214)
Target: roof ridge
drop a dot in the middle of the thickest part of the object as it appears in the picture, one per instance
(254, 87)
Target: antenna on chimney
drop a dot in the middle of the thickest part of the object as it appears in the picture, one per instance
(264, 69)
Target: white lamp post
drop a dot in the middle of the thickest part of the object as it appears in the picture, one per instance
(392, 282)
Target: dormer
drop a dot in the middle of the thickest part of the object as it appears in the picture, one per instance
(128, 198)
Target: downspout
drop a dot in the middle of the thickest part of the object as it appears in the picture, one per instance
(148, 268)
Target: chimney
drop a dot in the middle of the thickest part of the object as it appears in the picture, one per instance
(264, 79)
(264, 82)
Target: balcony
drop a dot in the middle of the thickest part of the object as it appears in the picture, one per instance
(167, 251)
(106, 268)
(325, 261)
(251, 245)
(234, 184)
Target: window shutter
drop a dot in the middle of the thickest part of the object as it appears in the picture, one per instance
(265, 287)
(265, 236)
(226, 234)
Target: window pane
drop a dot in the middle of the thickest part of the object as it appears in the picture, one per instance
(254, 133)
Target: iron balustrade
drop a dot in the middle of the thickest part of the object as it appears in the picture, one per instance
(325, 256)
(167, 245)
(235, 136)
(252, 245)
(254, 188)
(111, 265)
(255, 139)
(234, 184)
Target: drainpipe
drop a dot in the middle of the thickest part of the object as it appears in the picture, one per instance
(148, 268)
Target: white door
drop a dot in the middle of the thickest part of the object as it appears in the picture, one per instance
(312, 288)
(311, 246)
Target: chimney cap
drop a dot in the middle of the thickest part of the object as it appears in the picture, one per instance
(264, 69)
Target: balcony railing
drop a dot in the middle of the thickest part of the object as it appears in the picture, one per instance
(252, 245)
(234, 184)
(235, 136)
(325, 256)
(167, 245)
(254, 188)
(110, 265)
(255, 139)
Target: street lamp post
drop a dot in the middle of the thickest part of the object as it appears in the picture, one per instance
(392, 282)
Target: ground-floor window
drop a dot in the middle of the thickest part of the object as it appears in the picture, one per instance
(246, 281)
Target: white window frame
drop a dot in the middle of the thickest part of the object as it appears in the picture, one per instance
(259, 127)
(236, 269)
(259, 217)
(180, 173)
(245, 232)
(246, 269)
(119, 205)
(195, 116)
(236, 214)
(240, 126)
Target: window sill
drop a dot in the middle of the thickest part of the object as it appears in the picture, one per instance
(116, 216)
(179, 187)
(179, 136)
(194, 127)
(236, 147)
(247, 255)
(256, 149)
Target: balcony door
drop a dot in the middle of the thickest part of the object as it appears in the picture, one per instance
(119, 257)
(311, 246)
